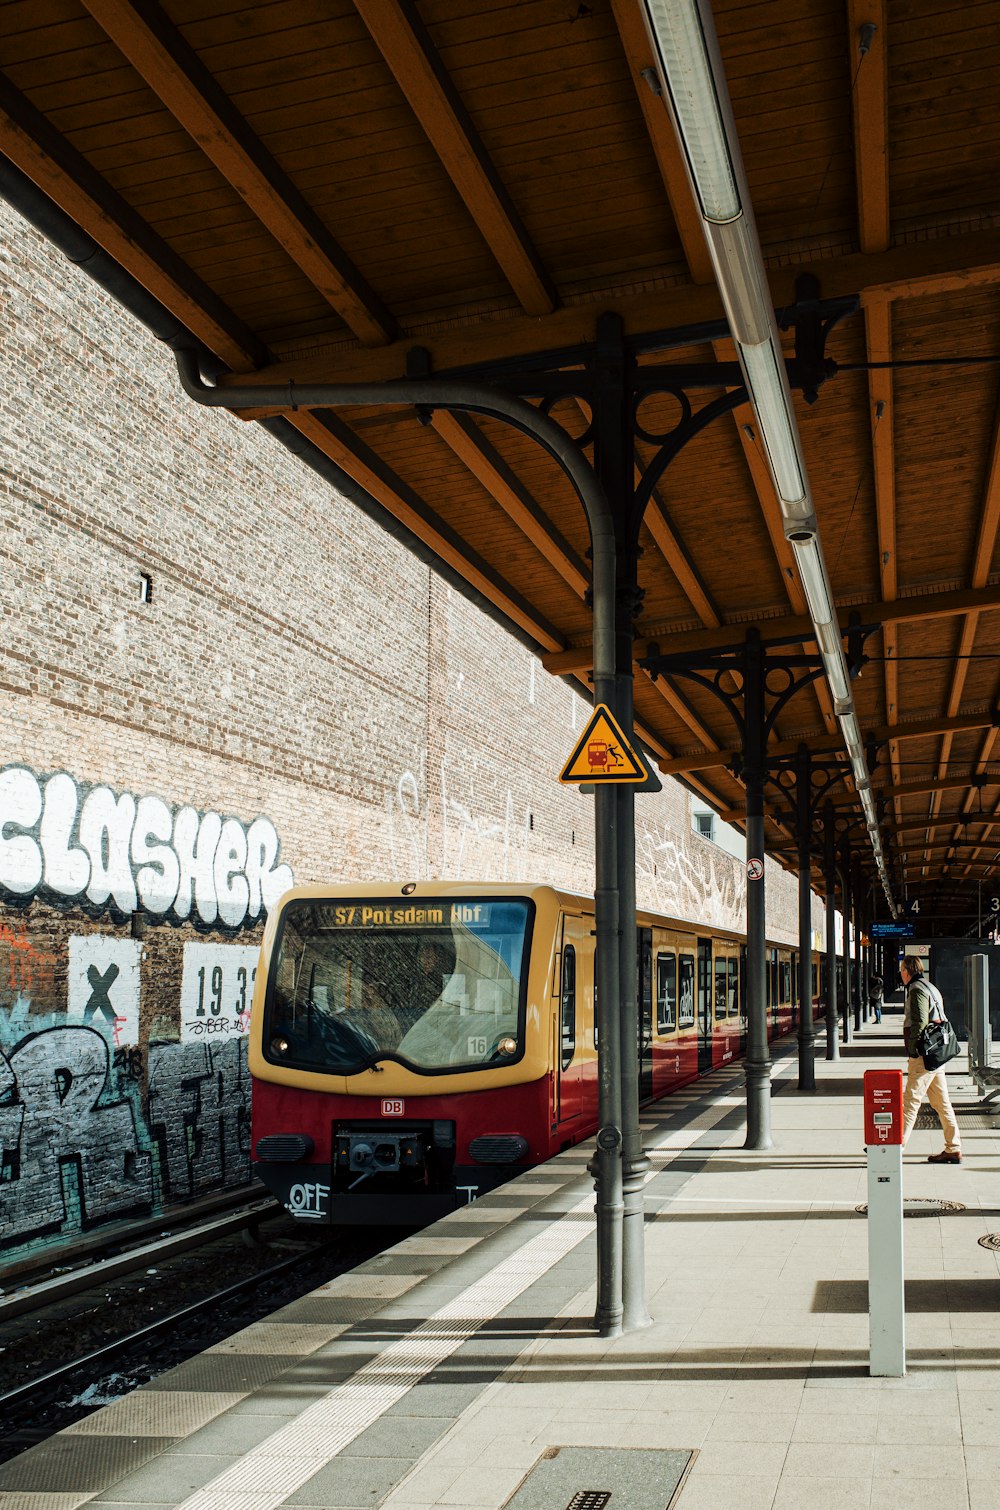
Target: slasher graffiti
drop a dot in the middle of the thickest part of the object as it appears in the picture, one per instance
(105, 851)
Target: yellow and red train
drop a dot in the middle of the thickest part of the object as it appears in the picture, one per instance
(413, 1048)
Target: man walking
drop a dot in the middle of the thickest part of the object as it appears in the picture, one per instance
(921, 1083)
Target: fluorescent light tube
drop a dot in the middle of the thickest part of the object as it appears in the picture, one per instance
(770, 400)
(676, 29)
(815, 584)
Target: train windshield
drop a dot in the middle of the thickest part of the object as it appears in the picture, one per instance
(437, 985)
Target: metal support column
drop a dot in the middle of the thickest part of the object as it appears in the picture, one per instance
(845, 873)
(614, 464)
(830, 882)
(758, 1060)
(803, 827)
(856, 904)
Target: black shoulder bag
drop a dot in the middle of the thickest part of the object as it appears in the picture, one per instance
(937, 1042)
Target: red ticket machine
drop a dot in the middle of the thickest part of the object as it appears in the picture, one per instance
(883, 1107)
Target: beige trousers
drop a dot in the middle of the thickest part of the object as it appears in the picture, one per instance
(922, 1085)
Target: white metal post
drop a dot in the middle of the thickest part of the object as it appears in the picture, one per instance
(886, 1304)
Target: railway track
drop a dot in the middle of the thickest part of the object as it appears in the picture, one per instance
(93, 1336)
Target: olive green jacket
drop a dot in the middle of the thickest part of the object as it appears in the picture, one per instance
(919, 998)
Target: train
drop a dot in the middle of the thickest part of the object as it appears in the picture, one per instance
(413, 1047)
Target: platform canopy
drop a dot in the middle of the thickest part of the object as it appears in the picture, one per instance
(358, 190)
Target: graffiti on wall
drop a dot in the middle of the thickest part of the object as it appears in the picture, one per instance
(82, 1145)
(91, 847)
(103, 986)
(216, 991)
(673, 877)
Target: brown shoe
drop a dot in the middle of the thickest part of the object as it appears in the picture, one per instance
(945, 1158)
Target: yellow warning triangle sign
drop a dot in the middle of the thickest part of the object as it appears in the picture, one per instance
(603, 753)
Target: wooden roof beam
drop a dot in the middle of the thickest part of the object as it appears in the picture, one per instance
(878, 343)
(334, 437)
(982, 560)
(157, 51)
(909, 610)
(400, 35)
(49, 160)
(870, 105)
(912, 270)
(464, 437)
(666, 148)
(827, 743)
(920, 789)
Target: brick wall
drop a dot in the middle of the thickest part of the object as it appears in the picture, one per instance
(292, 664)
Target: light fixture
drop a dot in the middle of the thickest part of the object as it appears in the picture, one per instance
(812, 572)
(677, 33)
(767, 394)
(687, 53)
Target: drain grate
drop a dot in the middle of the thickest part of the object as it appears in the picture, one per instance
(991, 1240)
(635, 1478)
(922, 1205)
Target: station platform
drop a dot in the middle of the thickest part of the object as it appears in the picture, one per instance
(449, 1370)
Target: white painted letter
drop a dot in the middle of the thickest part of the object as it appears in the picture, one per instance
(105, 831)
(231, 886)
(158, 879)
(67, 869)
(20, 807)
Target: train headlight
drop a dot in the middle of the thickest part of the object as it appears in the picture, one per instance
(506, 1047)
(280, 1045)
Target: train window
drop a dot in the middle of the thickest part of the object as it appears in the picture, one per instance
(685, 991)
(567, 1014)
(721, 979)
(439, 986)
(734, 987)
(786, 981)
(666, 993)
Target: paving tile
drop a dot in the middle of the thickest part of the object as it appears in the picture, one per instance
(921, 1494)
(10, 1500)
(823, 1494)
(182, 1476)
(755, 1459)
(830, 1460)
(67, 1464)
(349, 1482)
(155, 1413)
(726, 1492)
(904, 1430)
(859, 1427)
(280, 1337)
(759, 1426)
(926, 1462)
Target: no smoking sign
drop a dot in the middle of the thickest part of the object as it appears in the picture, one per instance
(755, 870)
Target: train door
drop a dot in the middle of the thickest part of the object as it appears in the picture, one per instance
(569, 1037)
(704, 1005)
(644, 944)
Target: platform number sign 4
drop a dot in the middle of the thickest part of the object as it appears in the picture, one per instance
(913, 908)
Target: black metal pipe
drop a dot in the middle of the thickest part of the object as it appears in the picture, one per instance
(830, 882)
(803, 808)
(758, 1061)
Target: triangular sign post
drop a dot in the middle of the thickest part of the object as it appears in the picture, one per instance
(603, 754)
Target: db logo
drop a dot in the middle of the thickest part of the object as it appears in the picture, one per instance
(393, 1108)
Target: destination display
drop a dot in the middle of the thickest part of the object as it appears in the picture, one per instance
(902, 930)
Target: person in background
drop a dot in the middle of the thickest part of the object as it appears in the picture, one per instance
(922, 1083)
(875, 996)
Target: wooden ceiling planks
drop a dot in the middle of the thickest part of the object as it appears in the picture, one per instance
(487, 178)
